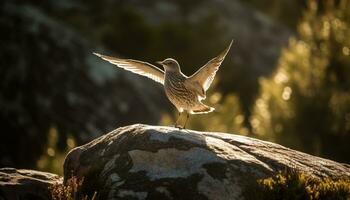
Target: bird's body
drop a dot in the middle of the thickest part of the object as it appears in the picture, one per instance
(182, 94)
(185, 93)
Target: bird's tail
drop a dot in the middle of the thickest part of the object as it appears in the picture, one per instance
(202, 109)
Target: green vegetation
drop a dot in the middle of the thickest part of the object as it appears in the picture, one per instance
(305, 104)
(294, 185)
(51, 160)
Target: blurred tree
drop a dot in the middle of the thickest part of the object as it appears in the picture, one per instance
(227, 117)
(51, 160)
(305, 104)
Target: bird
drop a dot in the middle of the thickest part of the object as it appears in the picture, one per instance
(186, 93)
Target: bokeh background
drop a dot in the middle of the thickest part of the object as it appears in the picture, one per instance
(286, 78)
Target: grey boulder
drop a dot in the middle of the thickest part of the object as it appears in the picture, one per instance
(153, 162)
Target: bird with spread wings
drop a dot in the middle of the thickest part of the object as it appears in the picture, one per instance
(186, 93)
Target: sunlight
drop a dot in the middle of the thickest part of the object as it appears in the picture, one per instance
(51, 152)
(281, 77)
(346, 51)
(287, 92)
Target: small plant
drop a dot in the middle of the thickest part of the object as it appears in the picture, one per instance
(70, 191)
(296, 185)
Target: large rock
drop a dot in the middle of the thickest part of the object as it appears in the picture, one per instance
(23, 184)
(153, 162)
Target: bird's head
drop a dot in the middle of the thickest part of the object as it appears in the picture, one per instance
(170, 64)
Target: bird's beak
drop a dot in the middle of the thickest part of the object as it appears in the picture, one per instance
(159, 62)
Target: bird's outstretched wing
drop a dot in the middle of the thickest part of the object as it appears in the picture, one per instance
(205, 75)
(137, 67)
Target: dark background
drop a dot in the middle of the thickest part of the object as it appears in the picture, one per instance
(286, 78)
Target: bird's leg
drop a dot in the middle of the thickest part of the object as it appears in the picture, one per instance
(187, 116)
(178, 117)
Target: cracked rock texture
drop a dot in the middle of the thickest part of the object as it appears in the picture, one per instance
(18, 184)
(154, 162)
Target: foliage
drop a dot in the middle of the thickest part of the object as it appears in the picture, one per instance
(295, 185)
(305, 104)
(70, 191)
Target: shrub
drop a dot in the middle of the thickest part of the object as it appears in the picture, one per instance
(296, 185)
(70, 191)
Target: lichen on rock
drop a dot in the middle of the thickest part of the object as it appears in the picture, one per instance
(153, 162)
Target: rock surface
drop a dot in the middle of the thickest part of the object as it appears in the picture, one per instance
(153, 162)
(18, 184)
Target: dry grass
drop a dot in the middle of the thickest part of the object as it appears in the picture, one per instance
(296, 185)
(70, 191)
